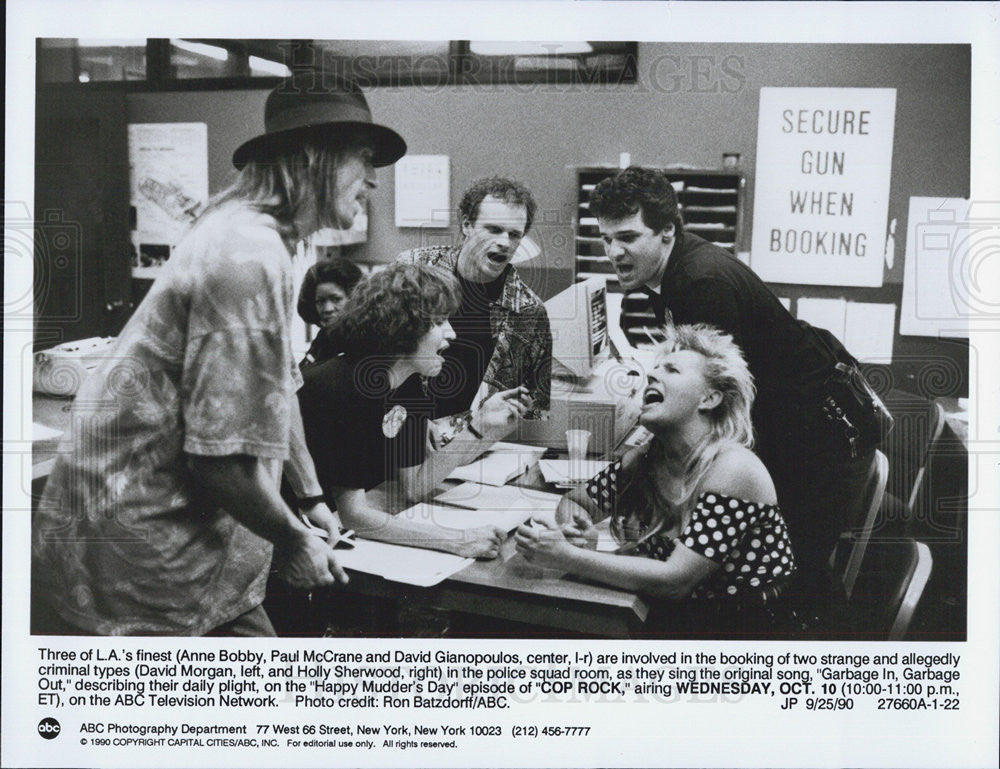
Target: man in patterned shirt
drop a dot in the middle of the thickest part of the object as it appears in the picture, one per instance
(502, 331)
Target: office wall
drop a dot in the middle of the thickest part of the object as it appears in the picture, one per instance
(692, 103)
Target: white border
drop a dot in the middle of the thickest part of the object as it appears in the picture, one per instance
(718, 735)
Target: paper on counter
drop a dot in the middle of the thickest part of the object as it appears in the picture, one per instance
(570, 470)
(399, 563)
(452, 519)
(605, 541)
(501, 464)
(476, 496)
(506, 447)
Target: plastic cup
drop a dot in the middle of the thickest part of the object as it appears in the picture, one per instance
(576, 443)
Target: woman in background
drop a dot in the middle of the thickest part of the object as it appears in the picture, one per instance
(324, 291)
(366, 413)
(694, 510)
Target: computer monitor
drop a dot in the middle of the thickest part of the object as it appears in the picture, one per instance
(578, 317)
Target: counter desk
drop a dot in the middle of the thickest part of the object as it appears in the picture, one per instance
(507, 588)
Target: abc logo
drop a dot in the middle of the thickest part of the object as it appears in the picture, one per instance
(49, 728)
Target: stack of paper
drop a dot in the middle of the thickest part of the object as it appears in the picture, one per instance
(501, 464)
(410, 565)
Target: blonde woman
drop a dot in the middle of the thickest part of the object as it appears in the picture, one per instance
(694, 510)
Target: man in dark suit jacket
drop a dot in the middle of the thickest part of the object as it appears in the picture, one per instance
(819, 473)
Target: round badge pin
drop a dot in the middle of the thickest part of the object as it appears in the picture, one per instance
(393, 420)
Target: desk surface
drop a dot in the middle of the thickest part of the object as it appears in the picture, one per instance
(509, 587)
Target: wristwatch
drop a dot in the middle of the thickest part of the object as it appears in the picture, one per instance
(307, 502)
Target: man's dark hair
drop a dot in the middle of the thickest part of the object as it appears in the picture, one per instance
(637, 190)
(510, 192)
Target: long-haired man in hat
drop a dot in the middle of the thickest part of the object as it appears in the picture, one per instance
(161, 512)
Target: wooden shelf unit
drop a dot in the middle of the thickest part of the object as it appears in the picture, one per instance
(711, 206)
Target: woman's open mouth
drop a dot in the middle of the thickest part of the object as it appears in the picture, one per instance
(651, 396)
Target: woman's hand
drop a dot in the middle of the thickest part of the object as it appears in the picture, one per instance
(580, 530)
(543, 543)
(481, 542)
(498, 414)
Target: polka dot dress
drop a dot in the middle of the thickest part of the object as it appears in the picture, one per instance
(747, 539)
(603, 488)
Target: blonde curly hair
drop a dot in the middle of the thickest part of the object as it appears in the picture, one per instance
(726, 371)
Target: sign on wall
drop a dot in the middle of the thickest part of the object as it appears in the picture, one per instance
(824, 157)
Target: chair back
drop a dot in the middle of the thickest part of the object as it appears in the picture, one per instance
(889, 588)
(934, 437)
(864, 522)
(909, 590)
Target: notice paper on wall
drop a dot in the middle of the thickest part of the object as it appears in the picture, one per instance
(868, 331)
(168, 181)
(949, 278)
(823, 313)
(821, 199)
(422, 191)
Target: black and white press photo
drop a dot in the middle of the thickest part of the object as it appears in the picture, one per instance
(423, 381)
(400, 397)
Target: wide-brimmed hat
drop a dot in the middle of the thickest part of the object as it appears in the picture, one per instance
(324, 108)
